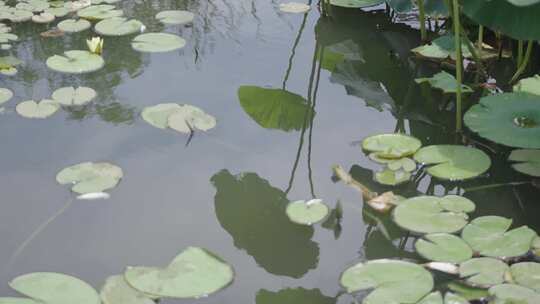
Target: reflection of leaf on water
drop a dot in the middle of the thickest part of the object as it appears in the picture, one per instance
(293, 296)
(338, 52)
(377, 246)
(333, 221)
(113, 112)
(253, 213)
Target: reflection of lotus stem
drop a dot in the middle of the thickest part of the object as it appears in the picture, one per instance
(524, 63)
(459, 62)
(491, 186)
(422, 13)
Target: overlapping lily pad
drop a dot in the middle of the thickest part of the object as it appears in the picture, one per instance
(75, 62)
(392, 177)
(89, 177)
(182, 118)
(528, 161)
(157, 42)
(391, 145)
(74, 26)
(175, 17)
(42, 109)
(445, 82)
(511, 293)
(526, 274)
(307, 212)
(443, 247)
(118, 26)
(99, 12)
(483, 272)
(69, 96)
(117, 291)
(5, 95)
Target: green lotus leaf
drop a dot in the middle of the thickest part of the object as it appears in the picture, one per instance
(356, 3)
(69, 96)
(8, 71)
(158, 115)
(407, 164)
(275, 108)
(391, 145)
(118, 26)
(195, 272)
(510, 294)
(58, 12)
(526, 274)
(89, 177)
(117, 291)
(34, 6)
(467, 292)
(445, 82)
(293, 296)
(483, 272)
(432, 298)
(18, 301)
(75, 62)
(392, 178)
(32, 109)
(307, 213)
(7, 62)
(443, 247)
(489, 236)
(431, 214)
(528, 85)
(20, 15)
(442, 48)
(523, 2)
(189, 118)
(99, 12)
(453, 162)
(43, 18)
(55, 288)
(175, 17)
(294, 7)
(8, 37)
(528, 161)
(74, 26)
(96, 184)
(393, 281)
(511, 119)
(157, 42)
(5, 95)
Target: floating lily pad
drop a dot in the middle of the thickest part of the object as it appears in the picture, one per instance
(489, 236)
(193, 273)
(529, 85)
(294, 7)
(43, 18)
(158, 115)
(8, 71)
(75, 62)
(453, 162)
(117, 291)
(175, 17)
(34, 6)
(55, 288)
(20, 16)
(74, 26)
(307, 213)
(10, 300)
(511, 119)
(5, 95)
(32, 109)
(157, 42)
(391, 145)
(392, 177)
(7, 62)
(293, 296)
(526, 274)
(8, 37)
(528, 161)
(69, 96)
(392, 281)
(467, 292)
(445, 82)
(190, 118)
(510, 294)
(431, 214)
(99, 12)
(483, 272)
(356, 3)
(443, 247)
(118, 26)
(90, 177)
(58, 12)
(105, 1)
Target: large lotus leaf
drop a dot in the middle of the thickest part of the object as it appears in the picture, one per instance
(5, 95)
(518, 22)
(189, 118)
(453, 162)
(75, 62)
(117, 291)
(175, 17)
(99, 12)
(442, 48)
(356, 3)
(157, 42)
(69, 96)
(445, 82)
(513, 294)
(90, 177)
(9, 300)
(74, 26)
(194, 273)
(489, 236)
(392, 177)
(443, 247)
(292, 296)
(511, 119)
(55, 288)
(118, 26)
(431, 214)
(483, 272)
(528, 85)
(526, 274)
(528, 161)
(275, 108)
(393, 281)
(307, 213)
(32, 109)
(391, 145)
(158, 115)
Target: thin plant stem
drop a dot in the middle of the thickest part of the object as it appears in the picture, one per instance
(491, 186)
(293, 51)
(459, 62)
(318, 78)
(422, 16)
(523, 66)
(480, 37)
(520, 52)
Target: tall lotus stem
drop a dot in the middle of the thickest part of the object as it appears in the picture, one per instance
(459, 62)
(520, 53)
(422, 15)
(524, 62)
(480, 38)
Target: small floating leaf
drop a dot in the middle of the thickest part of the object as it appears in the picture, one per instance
(529, 85)
(528, 161)
(190, 118)
(32, 109)
(75, 62)
(118, 26)
(356, 3)
(117, 291)
(391, 145)
(195, 272)
(307, 213)
(483, 272)
(175, 17)
(294, 7)
(157, 42)
(443, 247)
(69, 96)
(58, 12)
(8, 37)
(526, 274)
(73, 26)
(445, 82)
(43, 18)
(510, 293)
(90, 177)
(5, 95)
(392, 178)
(158, 115)
(99, 12)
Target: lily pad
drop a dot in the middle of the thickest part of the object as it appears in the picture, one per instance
(392, 281)
(69, 96)
(443, 247)
(528, 161)
(307, 213)
(528, 85)
(526, 274)
(7, 62)
(431, 214)
(58, 12)
(8, 71)
(157, 42)
(118, 26)
(293, 296)
(43, 18)
(34, 6)
(74, 26)
(483, 272)
(193, 273)
(5, 95)
(117, 291)
(90, 177)
(294, 7)
(190, 118)
(8, 37)
(9, 300)
(453, 162)
(489, 236)
(55, 288)
(391, 145)
(175, 17)
(406, 164)
(75, 62)
(441, 48)
(158, 115)
(445, 82)
(511, 119)
(510, 293)
(392, 177)
(99, 12)
(356, 3)
(32, 109)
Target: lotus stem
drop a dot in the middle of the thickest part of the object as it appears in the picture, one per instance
(491, 186)
(422, 15)
(520, 52)
(524, 63)
(480, 37)
(350, 181)
(459, 62)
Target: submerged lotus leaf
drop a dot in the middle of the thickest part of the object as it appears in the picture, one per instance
(55, 288)
(483, 272)
(445, 82)
(90, 177)
(9, 300)
(489, 236)
(117, 291)
(99, 12)
(528, 161)
(275, 108)
(32, 109)
(393, 281)
(443, 247)
(118, 26)
(392, 177)
(189, 118)
(391, 145)
(356, 3)
(294, 7)
(194, 273)
(529, 85)
(453, 162)
(510, 294)
(431, 214)
(158, 115)
(307, 213)
(526, 274)
(43, 18)
(74, 26)
(5, 95)
(511, 119)
(157, 42)
(69, 96)
(175, 17)
(75, 62)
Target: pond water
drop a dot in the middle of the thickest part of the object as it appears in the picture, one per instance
(226, 189)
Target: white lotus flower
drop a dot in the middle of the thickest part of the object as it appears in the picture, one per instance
(95, 45)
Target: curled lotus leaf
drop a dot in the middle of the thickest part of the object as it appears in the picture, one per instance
(157, 42)
(89, 177)
(483, 272)
(75, 62)
(32, 109)
(527, 161)
(189, 118)
(294, 7)
(529, 85)
(69, 96)
(74, 26)
(356, 3)
(443, 247)
(511, 293)
(307, 212)
(118, 26)
(526, 274)
(117, 291)
(5, 95)
(99, 12)
(391, 145)
(175, 17)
